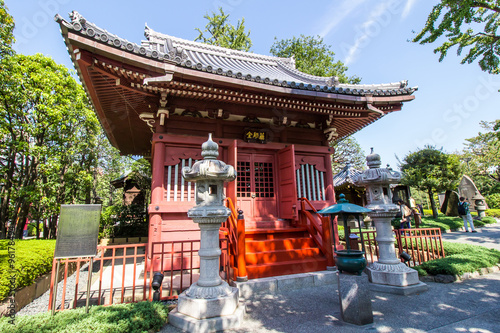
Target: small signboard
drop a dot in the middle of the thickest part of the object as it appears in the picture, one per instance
(77, 231)
(255, 135)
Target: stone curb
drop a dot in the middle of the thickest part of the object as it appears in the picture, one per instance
(443, 278)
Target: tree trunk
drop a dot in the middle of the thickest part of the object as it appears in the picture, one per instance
(45, 229)
(52, 227)
(433, 204)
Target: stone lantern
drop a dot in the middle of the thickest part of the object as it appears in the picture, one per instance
(209, 304)
(479, 204)
(388, 274)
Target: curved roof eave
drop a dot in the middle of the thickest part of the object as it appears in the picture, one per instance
(239, 65)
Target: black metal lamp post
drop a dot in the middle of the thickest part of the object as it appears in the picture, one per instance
(350, 260)
(157, 280)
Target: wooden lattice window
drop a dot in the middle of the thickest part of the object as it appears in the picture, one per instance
(264, 180)
(244, 179)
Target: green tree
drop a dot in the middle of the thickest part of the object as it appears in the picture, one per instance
(482, 154)
(312, 56)
(431, 170)
(6, 31)
(479, 36)
(347, 150)
(48, 132)
(222, 33)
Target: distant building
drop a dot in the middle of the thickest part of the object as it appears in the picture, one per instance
(343, 183)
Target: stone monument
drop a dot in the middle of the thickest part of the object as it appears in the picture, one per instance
(209, 304)
(450, 204)
(388, 274)
(468, 189)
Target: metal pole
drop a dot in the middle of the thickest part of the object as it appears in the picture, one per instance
(54, 294)
(89, 281)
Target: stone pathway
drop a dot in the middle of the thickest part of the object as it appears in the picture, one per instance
(487, 236)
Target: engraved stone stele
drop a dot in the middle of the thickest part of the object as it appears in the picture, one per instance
(388, 274)
(209, 304)
(468, 189)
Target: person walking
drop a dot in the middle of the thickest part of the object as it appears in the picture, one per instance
(464, 212)
(405, 215)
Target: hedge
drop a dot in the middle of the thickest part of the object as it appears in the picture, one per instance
(460, 259)
(493, 212)
(121, 318)
(33, 258)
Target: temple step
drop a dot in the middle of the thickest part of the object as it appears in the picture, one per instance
(286, 268)
(281, 233)
(267, 224)
(255, 258)
(278, 244)
(282, 251)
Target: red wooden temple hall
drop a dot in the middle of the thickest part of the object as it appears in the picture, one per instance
(161, 98)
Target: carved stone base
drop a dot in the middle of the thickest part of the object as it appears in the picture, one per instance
(222, 290)
(202, 308)
(398, 275)
(215, 324)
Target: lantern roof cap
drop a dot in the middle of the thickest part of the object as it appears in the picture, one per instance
(344, 207)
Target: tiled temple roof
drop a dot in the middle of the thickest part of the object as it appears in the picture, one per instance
(222, 61)
(346, 176)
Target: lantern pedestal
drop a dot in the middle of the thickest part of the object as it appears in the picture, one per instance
(209, 304)
(388, 274)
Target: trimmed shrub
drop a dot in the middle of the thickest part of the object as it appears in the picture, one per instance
(493, 212)
(33, 258)
(460, 259)
(493, 200)
(427, 211)
(121, 318)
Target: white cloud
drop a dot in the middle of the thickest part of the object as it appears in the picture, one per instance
(408, 7)
(336, 14)
(371, 27)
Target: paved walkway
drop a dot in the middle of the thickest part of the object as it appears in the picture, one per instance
(466, 306)
(487, 236)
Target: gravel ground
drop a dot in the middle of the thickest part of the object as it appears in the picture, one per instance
(41, 304)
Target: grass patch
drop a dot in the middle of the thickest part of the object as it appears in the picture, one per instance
(121, 318)
(460, 259)
(442, 222)
(33, 258)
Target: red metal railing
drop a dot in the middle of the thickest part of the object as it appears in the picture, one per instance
(234, 230)
(125, 266)
(320, 232)
(421, 244)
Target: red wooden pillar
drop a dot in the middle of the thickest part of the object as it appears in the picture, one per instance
(157, 192)
(330, 197)
(241, 260)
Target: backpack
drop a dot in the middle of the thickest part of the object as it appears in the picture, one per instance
(461, 209)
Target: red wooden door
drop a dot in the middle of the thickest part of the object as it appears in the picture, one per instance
(256, 186)
(287, 183)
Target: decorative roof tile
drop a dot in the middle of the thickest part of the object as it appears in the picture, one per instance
(346, 176)
(232, 63)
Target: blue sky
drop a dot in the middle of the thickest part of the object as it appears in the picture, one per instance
(371, 37)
